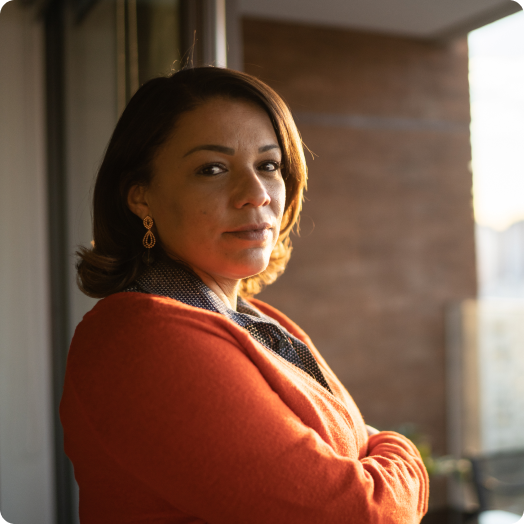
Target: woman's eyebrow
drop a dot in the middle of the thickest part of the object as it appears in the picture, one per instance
(263, 149)
(227, 150)
(211, 147)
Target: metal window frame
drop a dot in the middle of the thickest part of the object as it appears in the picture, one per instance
(57, 237)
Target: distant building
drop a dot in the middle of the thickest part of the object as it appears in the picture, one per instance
(500, 335)
(500, 260)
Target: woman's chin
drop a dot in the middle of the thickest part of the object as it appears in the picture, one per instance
(236, 265)
(241, 275)
(248, 269)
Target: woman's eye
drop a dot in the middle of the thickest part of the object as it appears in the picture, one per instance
(211, 170)
(269, 166)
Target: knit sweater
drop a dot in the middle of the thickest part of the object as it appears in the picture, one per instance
(174, 414)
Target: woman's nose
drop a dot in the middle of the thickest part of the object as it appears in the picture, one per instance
(250, 190)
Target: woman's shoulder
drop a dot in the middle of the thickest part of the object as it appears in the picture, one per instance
(133, 306)
(132, 323)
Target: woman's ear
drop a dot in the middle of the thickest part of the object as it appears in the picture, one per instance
(137, 201)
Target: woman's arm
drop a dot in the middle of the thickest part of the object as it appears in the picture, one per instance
(176, 402)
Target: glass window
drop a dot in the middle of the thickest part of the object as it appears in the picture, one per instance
(159, 43)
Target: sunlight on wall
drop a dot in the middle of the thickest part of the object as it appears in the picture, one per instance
(497, 127)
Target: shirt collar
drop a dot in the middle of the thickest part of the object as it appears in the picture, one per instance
(169, 279)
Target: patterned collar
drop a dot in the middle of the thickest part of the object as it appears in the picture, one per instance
(168, 279)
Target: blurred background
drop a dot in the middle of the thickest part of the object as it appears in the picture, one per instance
(408, 273)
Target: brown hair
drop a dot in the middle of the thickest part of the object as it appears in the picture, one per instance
(115, 260)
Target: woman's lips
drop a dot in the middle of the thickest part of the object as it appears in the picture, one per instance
(254, 232)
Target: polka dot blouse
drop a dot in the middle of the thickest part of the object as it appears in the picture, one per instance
(170, 280)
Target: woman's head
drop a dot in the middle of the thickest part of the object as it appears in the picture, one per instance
(159, 163)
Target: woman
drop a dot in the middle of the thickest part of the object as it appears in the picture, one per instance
(186, 401)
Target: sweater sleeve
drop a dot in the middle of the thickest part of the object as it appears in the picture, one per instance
(176, 402)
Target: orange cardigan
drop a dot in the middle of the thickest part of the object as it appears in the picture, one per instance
(174, 414)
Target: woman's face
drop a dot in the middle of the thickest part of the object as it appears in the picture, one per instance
(217, 195)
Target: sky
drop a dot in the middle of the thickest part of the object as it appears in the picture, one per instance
(497, 121)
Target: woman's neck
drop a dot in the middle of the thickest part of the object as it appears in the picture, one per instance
(225, 289)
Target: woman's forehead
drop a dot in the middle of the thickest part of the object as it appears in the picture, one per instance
(223, 110)
(226, 124)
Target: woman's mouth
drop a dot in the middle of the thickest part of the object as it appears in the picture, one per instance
(253, 232)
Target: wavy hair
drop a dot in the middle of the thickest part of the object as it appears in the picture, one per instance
(116, 258)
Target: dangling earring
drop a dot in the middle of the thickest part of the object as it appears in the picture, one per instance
(149, 239)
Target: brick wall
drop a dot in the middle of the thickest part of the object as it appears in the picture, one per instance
(387, 229)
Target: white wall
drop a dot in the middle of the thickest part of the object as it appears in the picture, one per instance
(91, 110)
(91, 114)
(26, 462)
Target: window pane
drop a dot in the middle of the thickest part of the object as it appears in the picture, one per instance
(158, 24)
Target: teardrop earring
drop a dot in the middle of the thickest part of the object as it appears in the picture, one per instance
(149, 239)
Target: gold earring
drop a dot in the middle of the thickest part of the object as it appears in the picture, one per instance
(149, 239)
